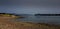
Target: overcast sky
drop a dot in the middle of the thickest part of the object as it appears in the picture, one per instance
(30, 6)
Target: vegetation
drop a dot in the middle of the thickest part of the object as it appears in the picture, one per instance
(10, 15)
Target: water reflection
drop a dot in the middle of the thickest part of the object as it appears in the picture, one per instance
(41, 19)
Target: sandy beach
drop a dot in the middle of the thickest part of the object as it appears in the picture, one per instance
(6, 24)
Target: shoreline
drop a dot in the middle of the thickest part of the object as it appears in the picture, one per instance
(5, 23)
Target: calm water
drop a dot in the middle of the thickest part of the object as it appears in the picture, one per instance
(41, 19)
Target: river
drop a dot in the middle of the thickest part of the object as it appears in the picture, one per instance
(41, 19)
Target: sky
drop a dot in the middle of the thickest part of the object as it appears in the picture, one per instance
(30, 6)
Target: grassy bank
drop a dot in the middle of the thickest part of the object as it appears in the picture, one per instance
(10, 15)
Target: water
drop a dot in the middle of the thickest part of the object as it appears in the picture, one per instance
(41, 19)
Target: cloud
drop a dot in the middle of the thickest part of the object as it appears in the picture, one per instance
(30, 6)
(32, 2)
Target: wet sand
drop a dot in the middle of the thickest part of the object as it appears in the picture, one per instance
(6, 24)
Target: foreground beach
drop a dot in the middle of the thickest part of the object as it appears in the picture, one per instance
(5, 23)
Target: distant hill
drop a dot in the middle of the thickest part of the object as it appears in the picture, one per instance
(17, 14)
(47, 14)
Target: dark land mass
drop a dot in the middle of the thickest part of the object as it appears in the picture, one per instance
(47, 14)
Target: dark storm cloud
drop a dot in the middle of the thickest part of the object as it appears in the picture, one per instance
(17, 2)
(30, 6)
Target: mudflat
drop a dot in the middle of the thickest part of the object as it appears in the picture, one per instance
(6, 24)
